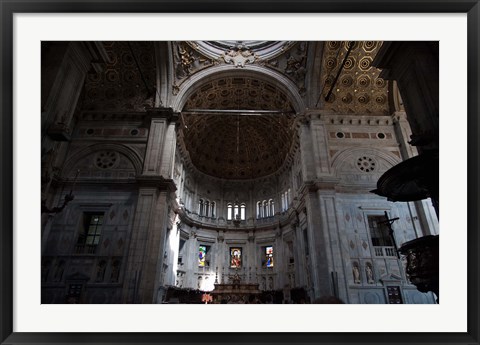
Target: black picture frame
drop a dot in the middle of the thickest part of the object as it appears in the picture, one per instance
(10, 7)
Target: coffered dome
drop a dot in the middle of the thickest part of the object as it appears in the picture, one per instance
(237, 128)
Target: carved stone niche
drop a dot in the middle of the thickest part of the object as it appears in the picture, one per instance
(422, 263)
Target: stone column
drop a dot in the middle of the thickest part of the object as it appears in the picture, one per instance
(333, 239)
(160, 154)
(320, 145)
(144, 272)
(318, 246)
(279, 269)
(299, 261)
(415, 67)
(221, 256)
(191, 265)
(306, 150)
(403, 133)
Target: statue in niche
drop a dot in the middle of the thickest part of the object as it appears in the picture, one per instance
(270, 283)
(101, 266)
(369, 272)
(115, 271)
(356, 274)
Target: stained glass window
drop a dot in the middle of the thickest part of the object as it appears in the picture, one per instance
(269, 256)
(235, 257)
(202, 252)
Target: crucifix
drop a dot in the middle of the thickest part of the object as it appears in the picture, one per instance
(389, 223)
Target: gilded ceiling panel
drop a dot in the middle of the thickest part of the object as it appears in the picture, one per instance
(238, 146)
(359, 89)
(238, 93)
(127, 82)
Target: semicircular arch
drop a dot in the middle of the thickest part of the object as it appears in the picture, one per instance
(348, 154)
(271, 77)
(129, 153)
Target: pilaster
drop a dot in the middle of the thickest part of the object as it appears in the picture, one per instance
(146, 258)
(403, 133)
(160, 153)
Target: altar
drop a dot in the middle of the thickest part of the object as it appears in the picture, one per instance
(236, 292)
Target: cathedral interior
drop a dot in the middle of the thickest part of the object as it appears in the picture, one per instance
(239, 172)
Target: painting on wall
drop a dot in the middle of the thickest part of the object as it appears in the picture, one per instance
(269, 256)
(202, 251)
(235, 257)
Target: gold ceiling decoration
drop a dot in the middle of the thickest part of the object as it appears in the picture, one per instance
(248, 134)
(359, 89)
(238, 93)
(238, 146)
(120, 86)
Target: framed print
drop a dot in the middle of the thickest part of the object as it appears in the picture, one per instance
(282, 162)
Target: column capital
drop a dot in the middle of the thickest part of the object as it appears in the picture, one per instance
(157, 182)
(161, 113)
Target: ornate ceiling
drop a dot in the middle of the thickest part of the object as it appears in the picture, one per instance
(239, 126)
(359, 89)
(121, 86)
(238, 93)
(229, 143)
(238, 146)
(237, 140)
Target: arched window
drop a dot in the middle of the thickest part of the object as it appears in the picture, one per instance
(200, 207)
(213, 209)
(207, 208)
(287, 201)
(271, 207)
(259, 210)
(229, 211)
(235, 211)
(265, 209)
(242, 212)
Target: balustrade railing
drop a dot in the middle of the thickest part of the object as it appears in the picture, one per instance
(385, 251)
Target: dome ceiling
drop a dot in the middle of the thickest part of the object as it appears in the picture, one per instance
(238, 93)
(238, 128)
